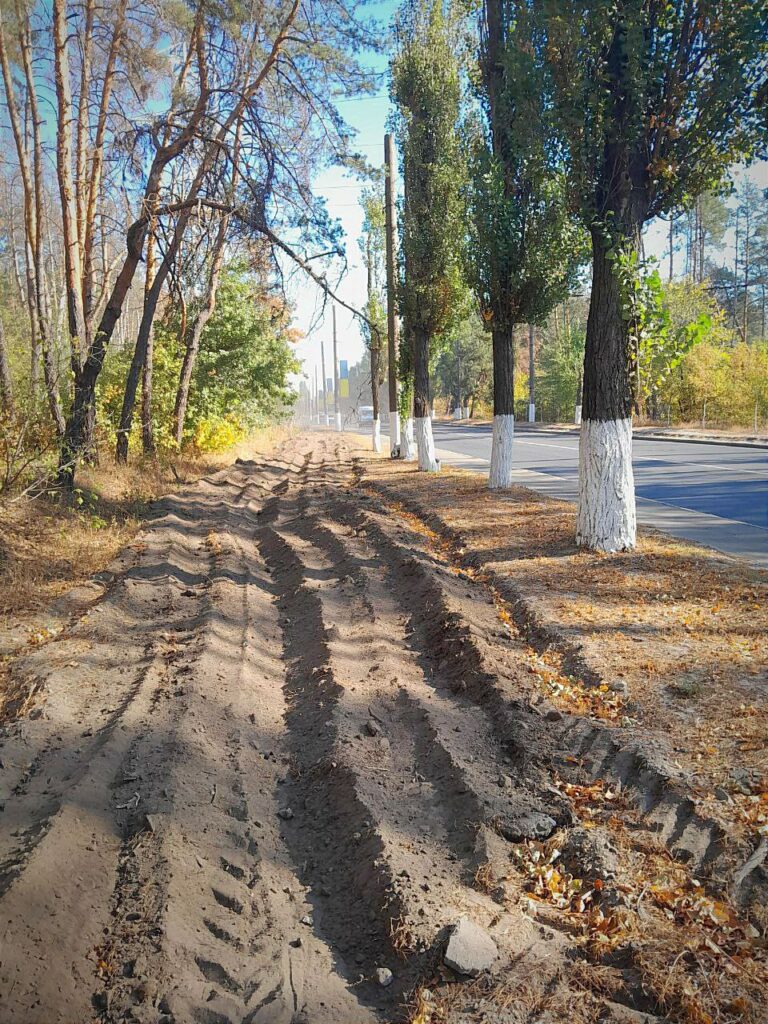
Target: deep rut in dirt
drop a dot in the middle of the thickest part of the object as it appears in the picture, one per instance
(281, 755)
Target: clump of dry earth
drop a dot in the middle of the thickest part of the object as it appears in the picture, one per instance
(303, 727)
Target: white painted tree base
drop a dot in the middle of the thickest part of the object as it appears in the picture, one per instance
(606, 518)
(338, 421)
(577, 416)
(531, 412)
(409, 445)
(376, 438)
(425, 443)
(500, 475)
(394, 432)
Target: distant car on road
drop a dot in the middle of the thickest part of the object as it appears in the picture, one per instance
(365, 415)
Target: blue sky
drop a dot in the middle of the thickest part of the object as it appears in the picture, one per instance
(341, 190)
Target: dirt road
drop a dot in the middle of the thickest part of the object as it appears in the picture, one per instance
(278, 754)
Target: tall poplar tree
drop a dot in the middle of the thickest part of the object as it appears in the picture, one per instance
(524, 248)
(426, 88)
(372, 245)
(654, 100)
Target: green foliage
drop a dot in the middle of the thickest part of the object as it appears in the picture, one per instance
(240, 377)
(372, 244)
(463, 365)
(655, 101)
(427, 91)
(658, 343)
(559, 373)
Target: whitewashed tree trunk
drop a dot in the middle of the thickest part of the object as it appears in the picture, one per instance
(577, 415)
(338, 421)
(531, 412)
(500, 476)
(426, 445)
(377, 435)
(606, 518)
(409, 445)
(394, 432)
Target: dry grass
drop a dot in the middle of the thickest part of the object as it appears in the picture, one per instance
(46, 547)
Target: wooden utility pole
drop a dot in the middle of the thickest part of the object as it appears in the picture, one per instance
(392, 325)
(531, 375)
(336, 410)
(325, 382)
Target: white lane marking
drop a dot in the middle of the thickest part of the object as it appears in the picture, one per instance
(704, 515)
(731, 469)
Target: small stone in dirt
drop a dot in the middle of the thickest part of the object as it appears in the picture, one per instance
(307, 919)
(505, 781)
(553, 715)
(527, 825)
(619, 686)
(722, 794)
(384, 976)
(296, 943)
(471, 950)
(285, 813)
(588, 853)
(372, 728)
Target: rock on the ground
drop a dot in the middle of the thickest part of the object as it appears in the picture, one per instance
(471, 950)
(384, 976)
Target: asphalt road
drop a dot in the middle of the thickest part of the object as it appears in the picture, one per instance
(710, 493)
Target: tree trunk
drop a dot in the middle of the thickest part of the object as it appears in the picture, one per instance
(147, 426)
(500, 476)
(606, 508)
(6, 381)
(421, 418)
(147, 429)
(139, 360)
(195, 335)
(69, 222)
(376, 425)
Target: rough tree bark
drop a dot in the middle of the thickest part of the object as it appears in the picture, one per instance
(606, 518)
(500, 476)
(147, 428)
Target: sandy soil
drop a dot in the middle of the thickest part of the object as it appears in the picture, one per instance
(286, 742)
